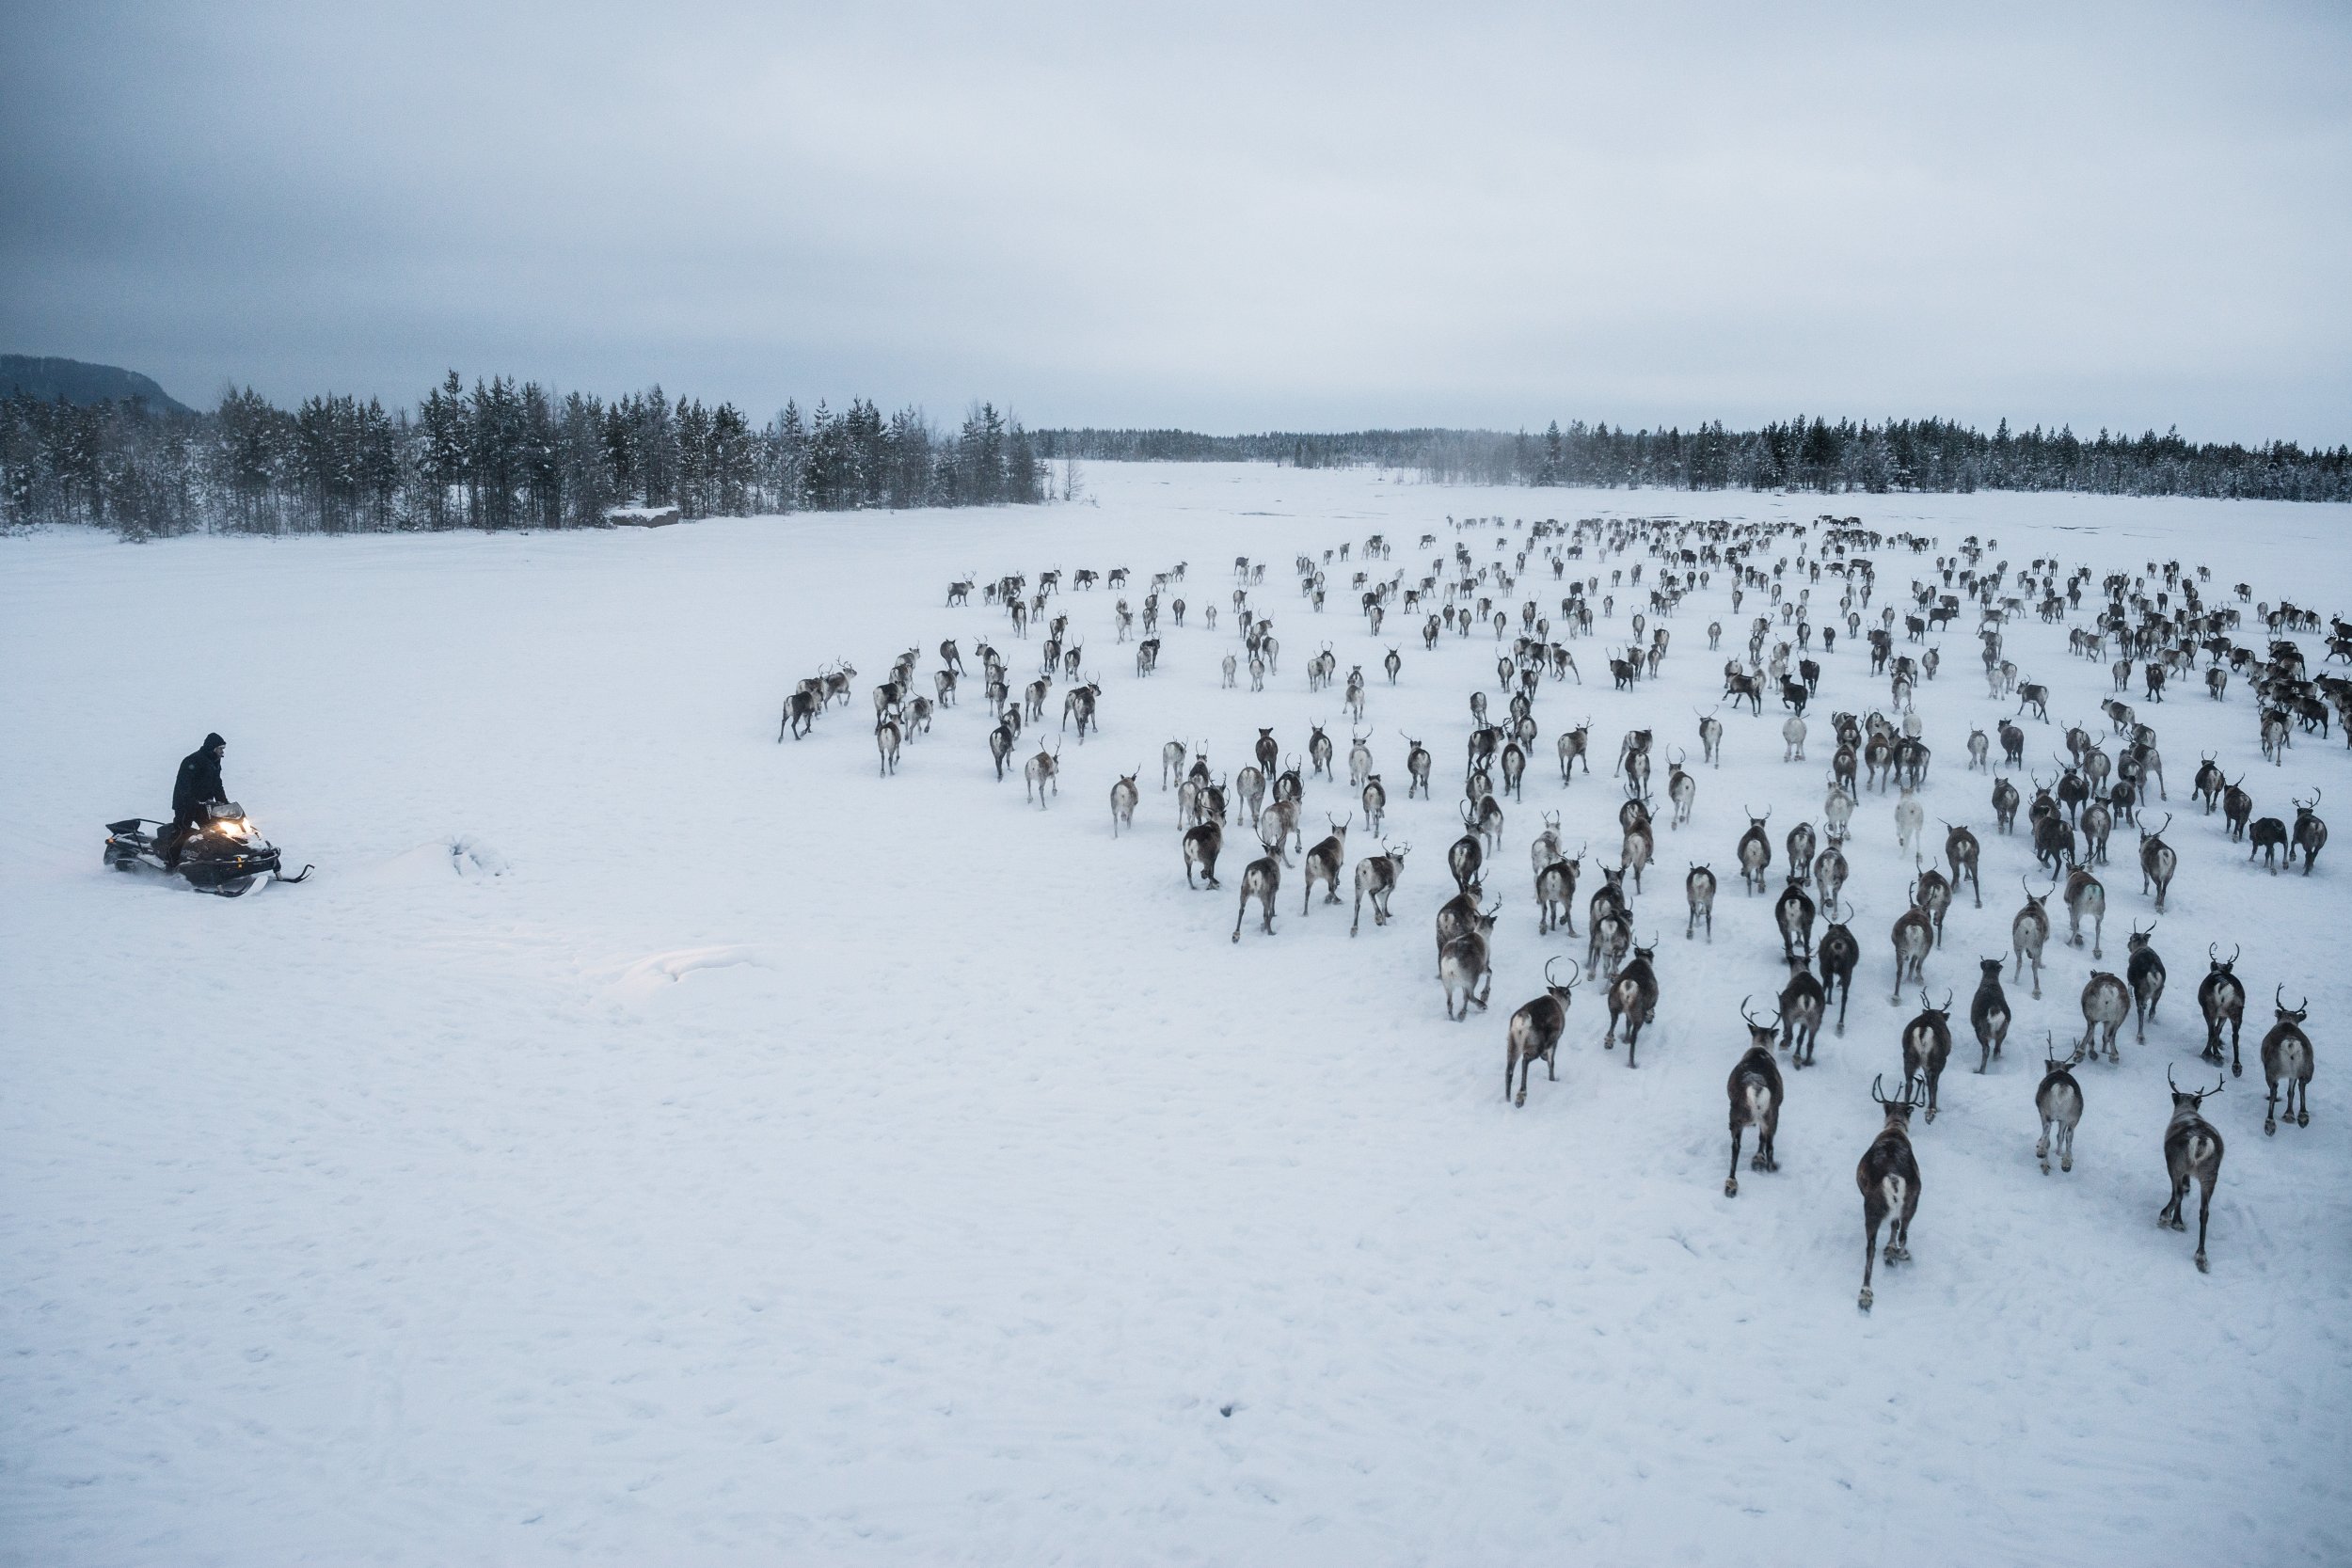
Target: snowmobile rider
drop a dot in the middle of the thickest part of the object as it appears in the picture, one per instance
(198, 787)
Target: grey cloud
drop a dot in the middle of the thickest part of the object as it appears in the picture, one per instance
(1224, 217)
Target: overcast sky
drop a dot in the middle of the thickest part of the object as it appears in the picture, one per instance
(1225, 218)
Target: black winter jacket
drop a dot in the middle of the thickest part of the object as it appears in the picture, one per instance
(198, 782)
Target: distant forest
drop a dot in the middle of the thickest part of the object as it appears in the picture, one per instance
(502, 455)
(1800, 454)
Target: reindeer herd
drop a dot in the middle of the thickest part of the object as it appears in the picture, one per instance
(2160, 623)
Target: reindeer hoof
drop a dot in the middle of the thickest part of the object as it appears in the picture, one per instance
(2302, 1118)
(2238, 1069)
(1863, 1300)
(1731, 1186)
(2270, 1129)
(2202, 1266)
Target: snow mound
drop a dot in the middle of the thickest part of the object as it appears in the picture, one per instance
(649, 976)
(476, 860)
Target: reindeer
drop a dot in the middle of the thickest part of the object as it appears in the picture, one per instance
(1040, 771)
(1755, 1091)
(2145, 972)
(1464, 967)
(1359, 759)
(1641, 843)
(1456, 916)
(1318, 752)
(1792, 912)
(1989, 1013)
(1888, 1178)
(2106, 1004)
(1959, 852)
(2236, 807)
(1633, 998)
(1377, 878)
(1123, 798)
(2310, 833)
(2269, 837)
(1803, 1004)
(1079, 705)
(2286, 1053)
(1171, 763)
(1828, 868)
(886, 737)
(1681, 789)
(1261, 881)
(2059, 1102)
(1755, 851)
(1574, 748)
(1711, 739)
(1699, 889)
(1417, 763)
(1800, 843)
(2086, 899)
(1277, 825)
(1000, 747)
(1486, 820)
(1535, 1033)
(1909, 818)
(1927, 1046)
(800, 714)
(2222, 997)
(1913, 935)
(1839, 955)
(2005, 801)
(1325, 863)
(1201, 847)
(2192, 1151)
(2156, 861)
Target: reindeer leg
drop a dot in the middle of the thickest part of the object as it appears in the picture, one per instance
(1869, 1252)
(2204, 1210)
(1731, 1182)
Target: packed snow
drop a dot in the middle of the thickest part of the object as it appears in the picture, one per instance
(646, 1140)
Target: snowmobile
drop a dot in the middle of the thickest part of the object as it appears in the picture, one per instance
(224, 853)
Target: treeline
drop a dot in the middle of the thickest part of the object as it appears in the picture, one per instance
(502, 455)
(1800, 454)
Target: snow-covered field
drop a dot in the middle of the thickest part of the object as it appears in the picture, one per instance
(730, 1156)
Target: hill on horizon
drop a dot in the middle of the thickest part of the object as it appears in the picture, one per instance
(77, 381)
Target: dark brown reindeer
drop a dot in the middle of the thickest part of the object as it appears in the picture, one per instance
(1754, 1092)
(1535, 1033)
(1839, 955)
(1803, 1004)
(2192, 1152)
(1888, 1179)
(1927, 1046)
(1633, 998)
(2222, 997)
(1261, 881)
(1989, 1011)
(2144, 972)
